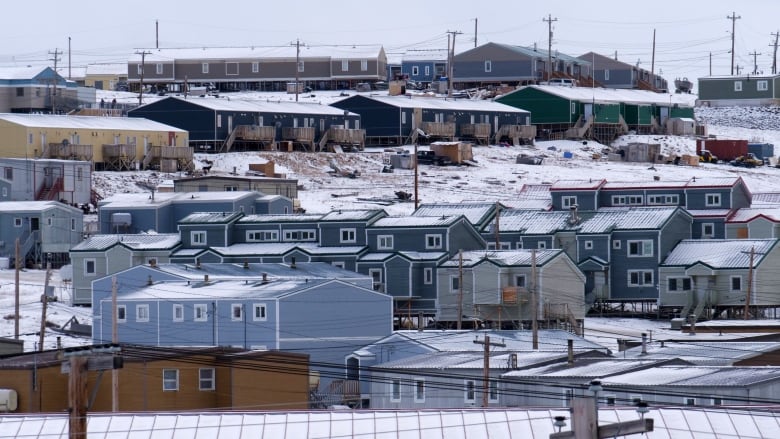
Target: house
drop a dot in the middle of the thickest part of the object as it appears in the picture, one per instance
(753, 223)
(283, 187)
(496, 286)
(290, 311)
(424, 66)
(581, 194)
(717, 193)
(110, 143)
(612, 73)
(396, 119)
(35, 89)
(161, 379)
(711, 276)
(709, 223)
(710, 353)
(47, 179)
(103, 255)
(224, 125)
(263, 68)
(730, 90)
(478, 213)
(447, 234)
(45, 230)
(347, 227)
(531, 229)
(109, 76)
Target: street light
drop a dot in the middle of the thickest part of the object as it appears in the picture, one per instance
(560, 422)
(642, 408)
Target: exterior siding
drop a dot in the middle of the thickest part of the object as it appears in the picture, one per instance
(727, 88)
(378, 119)
(621, 263)
(398, 272)
(586, 200)
(544, 108)
(696, 199)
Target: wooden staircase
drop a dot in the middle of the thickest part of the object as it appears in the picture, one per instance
(49, 193)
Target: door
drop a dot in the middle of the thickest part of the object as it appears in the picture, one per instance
(376, 277)
(230, 124)
(588, 111)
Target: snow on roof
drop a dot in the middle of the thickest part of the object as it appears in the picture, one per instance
(264, 248)
(341, 250)
(712, 182)
(470, 360)
(20, 72)
(698, 376)
(226, 271)
(87, 122)
(29, 206)
(703, 353)
(719, 253)
(210, 217)
(417, 221)
(434, 103)
(258, 53)
(646, 184)
(765, 198)
(627, 219)
(260, 106)
(532, 222)
(151, 241)
(475, 212)
(566, 185)
(746, 214)
(282, 218)
(425, 55)
(423, 256)
(118, 69)
(515, 341)
(702, 213)
(498, 423)
(612, 95)
(143, 198)
(514, 258)
(188, 290)
(583, 368)
(351, 215)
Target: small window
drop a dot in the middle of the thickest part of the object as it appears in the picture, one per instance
(200, 313)
(344, 65)
(606, 75)
(469, 391)
(73, 224)
(568, 201)
(615, 244)
(19, 92)
(206, 379)
(237, 312)
(140, 69)
(568, 396)
(142, 313)
(300, 67)
(121, 313)
(636, 399)
(259, 312)
(541, 245)
(17, 222)
(488, 66)
(348, 236)
(736, 283)
(428, 275)
(679, 284)
(428, 72)
(609, 400)
(640, 278)
(520, 281)
(231, 188)
(158, 68)
(198, 238)
(204, 67)
(8, 173)
(89, 267)
(255, 67)
(5, 192)
(689, 401)
(338, 264)
(643, 248)
(395, 393)
(419, 390)
(170, 380)
(364, 65)
(178, 313)
(712, 200)
(716, 401)
(707, 230)
(432, 241)
(493, 390)
(454, 284)
(762, 85)
(415, 71)
(588, 245)
(737, 85)
(49, 221)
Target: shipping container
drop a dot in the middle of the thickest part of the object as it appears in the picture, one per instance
(762, 150)
(724, 149)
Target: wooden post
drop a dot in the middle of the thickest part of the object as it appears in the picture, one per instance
(115, 340)
(77, 398)
(416, 198)
(44, 301)
(486, 367)
(534, 303)
(16, 291)
(749, 284)
(460, 289)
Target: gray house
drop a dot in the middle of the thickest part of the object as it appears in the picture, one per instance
(47, 179)
(747, 90)
(478, 213)
(754, 223)
(612, 73)
(285, 187)
(46, 231)
(424, 233)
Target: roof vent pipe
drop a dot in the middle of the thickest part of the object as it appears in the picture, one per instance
(206, 278)
(292, 262)
(149, 280)
(644, 343)
(265, 278)
(570, 349)
(246, 265)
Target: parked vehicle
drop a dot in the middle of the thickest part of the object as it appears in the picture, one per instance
(748, 160)
(705, 156)
(430, 158)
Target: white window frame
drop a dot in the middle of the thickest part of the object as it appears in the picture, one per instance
(704, 227)
(72, 223)
(200, 312)
(568, 201)
(18, 221)
(350, 238)
(679, 284)
(170, 384)
(139, 69)
(616, 244)
(493, 391)
(142, 313)
(121, 313)
(737, 86)
(606, 74)
(428, 275)
(158, 68)
(419, 390)
(433, 241)
(87, 271)
(541, 245)
(395, 390)
(762, 85)
(521, 280)
(377, 279)
(204, 67)
(262, 235)
(259, 312)
(301, 66)
(178, 312)
(641, 278)
(344, 65)
(363, 65)
(663, 200)
(634, 399)
(568, 396)
(716, 400)
(237, 307)
(302, 235)
(207, 383)
(689, 401)
(488, 66)
(255, 67)
(198, 237)
(454, 284)
(339, 264)
(712, 200)
(415, 70)
(610, 400)
(428, 72)
(731, 283)
(588, 245)
(643, 248)
(469, 391)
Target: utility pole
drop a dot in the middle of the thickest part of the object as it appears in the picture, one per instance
(486, 367)
(156, 34)
(710, 63)
(44, 301)
(534, 303)
(549, 21)
(143, 54)
(733, 17)
(69, 73)
(77, 398)
(451, 56)
(774, 52)
(475, 31)
(738, 68)
(18, 267)
(114, 340)
(297, 66)
(460, 289)
(652, 64)
(56, 59)
(749, 291)
(497, 232)
(755, 61)
(416, 178)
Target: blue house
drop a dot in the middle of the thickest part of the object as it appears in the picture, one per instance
(207, 229)
(479, 214)
(347, 227)
(424, 67)
(582, 194)
(717, 193)
(423, 233)
(259, 306)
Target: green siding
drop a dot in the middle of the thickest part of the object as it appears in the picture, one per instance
(724, 88)
(637, 114)
(681, 112)
(545, 108)
(607, 113)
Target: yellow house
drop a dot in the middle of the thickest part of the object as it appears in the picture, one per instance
(110, 143)
(105, 76)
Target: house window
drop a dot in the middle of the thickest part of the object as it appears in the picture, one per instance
(140, 69)
(615, 244)
(344, 65)
(635, 399)
(641, 248)
(488, 66)
(262, 235)
(48, 221)
(206, 379)
(737, 85)
(454, 284)
(493, 390)
(663, 200)
(609, 400)
(170, 380)
(679, 284)
(158, 68)
(427, 70)
(5, 192)
(606, 75)
(716, 401)
(588, 245)
(255, 67)
(376, 278)
(89, 267)
(204, 67)
(640, 278)
(338, 264)
(178, 313)
(364, 65)
(259, 313)
(384, 242)
(73, 224)
(520, 280)
(142, 313)
(219, 121)
(19, 92)
(8, 173)
(300, 66)
(519, 244)
(689, 401)
(237, 312)
(415, 71)
(403, 118)
(231, 68)
(568, 201)
(432, 241)
(299, 235)
(17, 222)
(348, 236)
(395, 393)
(568, 396)
(626, 200)
(707, 230)
(762, 85)
(541, 245)
(736, 283)
(428, 275)
(121, 313)
(712, 200)
(231, 188)
(198, 238)
(419, 390)
(469, 391)
(201, 312)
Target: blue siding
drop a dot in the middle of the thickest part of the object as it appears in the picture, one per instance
(718, 225)
(330, 233)
(621, 263)
(586, 200)
(697, 198)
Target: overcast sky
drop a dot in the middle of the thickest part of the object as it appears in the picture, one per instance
(686, 32)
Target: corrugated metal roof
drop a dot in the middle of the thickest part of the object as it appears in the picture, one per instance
(510, 258)
(225, 289)
(30, 206)
(290, 218)
(423, 256)
(532, 222)
(719, 253)
(501, 423)
(515, 341)
(152, 241)
(649, 184)
(565, 185)
(265, 249)
(351, 215)
(582, 368)
(434, 103)
(210, 217)
(724, 182)
(107, 69)
(475, 212)
(20, 72)
(417, 221)
(87, 122)
(259, 106)
(699, 376)
(141, 199)
(765, 198)
(471, 360)
(613, 95)
(747, 214)
(702, 213)
(703, 353)
(640, 218)
(335, 250)
(227, 271)
(258, 53)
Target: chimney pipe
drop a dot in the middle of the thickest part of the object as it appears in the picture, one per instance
(292, 262)
(246, 265)
(265, 278)
(692, 320)
(420, 322)
(206, 278)
(570, 349)
(149, 280)
(197, 263)
(644, 344)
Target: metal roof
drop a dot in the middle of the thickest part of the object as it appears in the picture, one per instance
(709, 182)
(226, 271)
(532, 222)
(698, 376)
(702, 213)
(221, 289)
(20, 72)
(352, 215)
(501, 423)
(583, 368)
(719, 253)
(151, 241)
(259, 106)
(765, 198)
(417, 221)
(747, 214)
(31, 206)
(514, 258)
(566, 185)
(141, 199)
(612, 95)
(515, 341)
(107, 69)
(87, 122)
(639, 218)
(471, 360)
(281, 218)
(475, 212)
(702, 353)
(255, 249)
(258, 53)
(434, 103)
(210, 217)
(423, 256)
